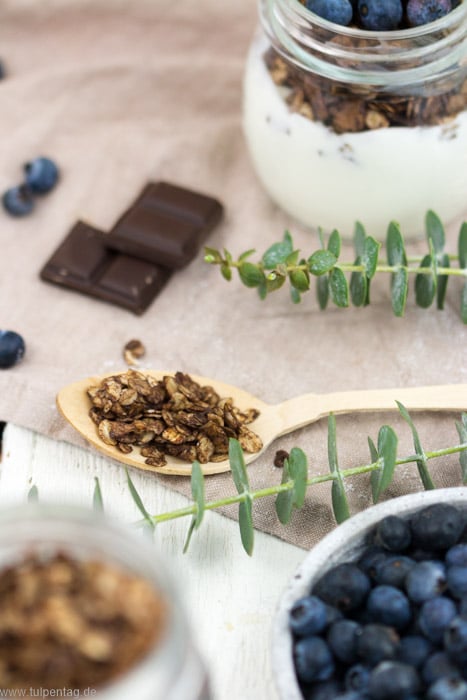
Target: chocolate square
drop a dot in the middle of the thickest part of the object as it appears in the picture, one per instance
(82, 262)
(166, 225)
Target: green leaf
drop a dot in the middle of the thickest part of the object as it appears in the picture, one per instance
(274, 280)
(422, 463)
(464, 303)
(321, 261)
(250, 274)
(212, 256)
(358, 286)
(97, 500)
(395, 245)
(442, 282)
(197, 492)
(246, 254)
(226, 272)
(425, 285)
(435, 231)
(340, 504)
(376, 474)
(298, 469)
(285, 499)
(370, 256)
(278, 252)
(139, 503)
(462, 430)
(292, 259)
(237, 466)
(263, 289)
(299, 280)
(399, 291)
(245, 521)
(338, 287)
(322, 291)
(295, 295)
(228, 257)
(359, 238)
(387, 453)
(33, 494)
(462, 246)
(334, 243)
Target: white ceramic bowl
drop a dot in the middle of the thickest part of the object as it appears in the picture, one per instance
(345, 543)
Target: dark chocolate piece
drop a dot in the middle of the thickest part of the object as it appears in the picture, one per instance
(82, 262)
(166, 225)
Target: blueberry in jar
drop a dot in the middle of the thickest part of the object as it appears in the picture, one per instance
(393, 680)
(393, 533)
(425, 11)
(344, 586)
(389, 606)
(337, 11)
(18, 200)
(425, 580)
(313, 659)
(12, 348)
(448, 689)
(41, 175)
(437, 527)
(308, 616)
(434, 617)
(380, 15)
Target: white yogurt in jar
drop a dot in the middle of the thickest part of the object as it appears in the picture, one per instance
(331, 180)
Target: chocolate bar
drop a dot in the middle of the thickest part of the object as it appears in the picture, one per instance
(166, 225)
(83, 262)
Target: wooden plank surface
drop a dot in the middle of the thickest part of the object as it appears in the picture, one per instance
(229, 597)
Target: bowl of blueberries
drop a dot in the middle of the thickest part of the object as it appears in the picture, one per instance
(378, 608)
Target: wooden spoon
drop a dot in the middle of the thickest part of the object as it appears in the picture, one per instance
(272, 422)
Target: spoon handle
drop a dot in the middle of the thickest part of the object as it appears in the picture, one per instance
(308, 408)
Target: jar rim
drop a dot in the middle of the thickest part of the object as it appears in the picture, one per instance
(411, 56)
(442, 23)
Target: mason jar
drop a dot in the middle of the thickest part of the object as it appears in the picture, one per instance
(346, 125)
(172, 668)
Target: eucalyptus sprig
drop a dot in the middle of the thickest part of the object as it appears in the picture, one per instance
(290, 493)
(345, 282)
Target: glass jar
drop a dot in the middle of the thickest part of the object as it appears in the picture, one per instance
(172, 669)
(345, 124)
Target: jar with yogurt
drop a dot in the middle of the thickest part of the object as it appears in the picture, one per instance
(346, 125)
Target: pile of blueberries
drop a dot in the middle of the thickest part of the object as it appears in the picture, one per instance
(381, 15)
(40, 177)
(391, 625)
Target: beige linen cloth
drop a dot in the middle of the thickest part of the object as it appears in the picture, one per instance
(120, 92)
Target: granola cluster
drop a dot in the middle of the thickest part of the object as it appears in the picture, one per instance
(66, 623)
(346, 109)
(175, 416)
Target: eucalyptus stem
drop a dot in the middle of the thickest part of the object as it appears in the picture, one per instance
(282, 263)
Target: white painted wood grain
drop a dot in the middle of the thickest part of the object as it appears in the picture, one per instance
(230, 598)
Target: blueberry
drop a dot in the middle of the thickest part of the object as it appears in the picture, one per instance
(12, 349)
(393, 533)
(438, 665)
(389, 606)
(437, 527)
(344, 586)
(392, 680)
(337, 11)
(425, 11)
(457, 581)
(371, 558)
(342, 640)
(376, 643)
(393, 570)
(448, 689)
(313, 660)
(308, 616)
(425, 580)
(435, 615)
(18, 201)
(41, 175)
(455, 639)
(357, 678)
(414, 650)
(457, 555)
(380, 15)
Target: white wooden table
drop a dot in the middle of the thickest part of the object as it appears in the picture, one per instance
(230, 598)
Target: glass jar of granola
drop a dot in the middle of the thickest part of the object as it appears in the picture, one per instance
(346, 124)
(87, 610)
